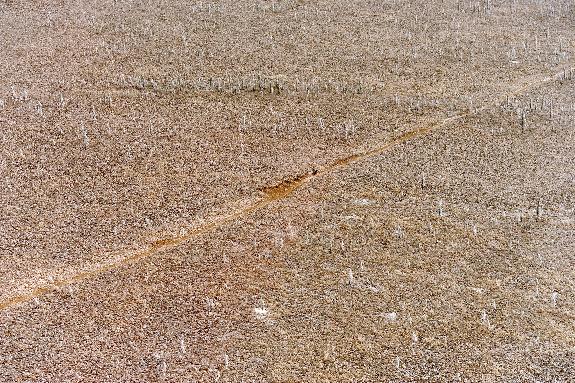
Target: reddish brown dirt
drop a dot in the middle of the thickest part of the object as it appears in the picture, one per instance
(286, 191)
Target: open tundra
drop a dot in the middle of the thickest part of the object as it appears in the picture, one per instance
(286, 191)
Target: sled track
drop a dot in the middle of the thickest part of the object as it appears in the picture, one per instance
(271, 194)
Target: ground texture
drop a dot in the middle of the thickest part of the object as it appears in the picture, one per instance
(287, 191)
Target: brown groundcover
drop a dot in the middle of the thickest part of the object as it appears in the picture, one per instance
(287, 191)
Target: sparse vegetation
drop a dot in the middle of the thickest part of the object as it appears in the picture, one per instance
(287, 190)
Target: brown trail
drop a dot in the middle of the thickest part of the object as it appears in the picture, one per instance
(271, 194)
